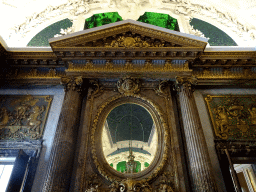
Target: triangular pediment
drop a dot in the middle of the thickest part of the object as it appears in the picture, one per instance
(127, 34)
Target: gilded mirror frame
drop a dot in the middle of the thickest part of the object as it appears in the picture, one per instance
(163, 137)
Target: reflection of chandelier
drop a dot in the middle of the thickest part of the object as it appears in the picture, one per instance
(131, 164)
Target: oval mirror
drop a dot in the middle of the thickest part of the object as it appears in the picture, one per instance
(129, 138)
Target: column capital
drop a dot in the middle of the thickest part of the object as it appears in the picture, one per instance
(185, 83)
(72, 83)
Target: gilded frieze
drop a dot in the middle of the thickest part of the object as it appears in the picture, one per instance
(23, 117)
(128, 67)
(233, 117)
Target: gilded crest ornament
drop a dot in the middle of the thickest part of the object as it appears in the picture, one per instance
(128, 86)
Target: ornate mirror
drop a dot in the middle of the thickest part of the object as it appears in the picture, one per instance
(129, 138)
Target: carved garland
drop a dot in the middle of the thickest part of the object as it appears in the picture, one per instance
(166, 138)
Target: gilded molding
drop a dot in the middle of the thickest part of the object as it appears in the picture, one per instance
(101, 169)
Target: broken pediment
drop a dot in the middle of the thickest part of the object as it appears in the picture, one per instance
(127, 34)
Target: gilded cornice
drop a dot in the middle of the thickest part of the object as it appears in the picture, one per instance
(122, 29)
(31, 55)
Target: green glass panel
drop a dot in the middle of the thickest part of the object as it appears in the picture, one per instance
(121, 166)
(111, 165)
(146, 164)
(138, 167)
(160, 19)
(217, 36)
(41, 39)
(102, 19)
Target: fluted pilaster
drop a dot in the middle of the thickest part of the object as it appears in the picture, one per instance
(199, 161)
(62, 154)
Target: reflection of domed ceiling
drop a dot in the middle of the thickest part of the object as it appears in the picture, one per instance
(129, 122)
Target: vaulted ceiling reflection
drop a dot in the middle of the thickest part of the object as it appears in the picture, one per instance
(129, 138)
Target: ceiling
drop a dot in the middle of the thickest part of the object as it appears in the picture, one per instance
(129, 122)
(24, 19)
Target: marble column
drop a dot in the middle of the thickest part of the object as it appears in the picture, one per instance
(200, 168)
(60, 164)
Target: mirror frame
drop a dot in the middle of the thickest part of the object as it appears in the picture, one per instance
(163, 137)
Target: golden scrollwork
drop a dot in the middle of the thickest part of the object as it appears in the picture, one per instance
(23, 117)
(132, 42)
(162, 89)
(128, 86)
(102, 170)
(97, 89)
(233, 117)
